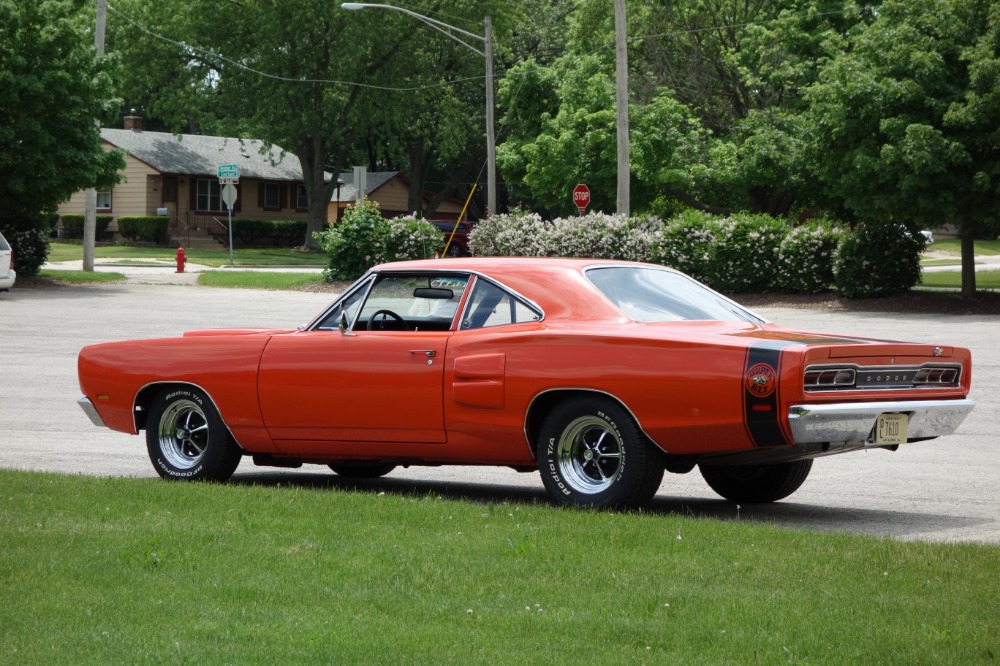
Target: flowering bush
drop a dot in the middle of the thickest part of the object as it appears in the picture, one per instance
(686, 243)
(515, 234)
(364, 238)
(356, 243)
(805, 258)
(878, 260)
(745, 253)
(412, 238)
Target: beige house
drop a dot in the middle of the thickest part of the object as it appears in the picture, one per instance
(391, 191)
(176, 175)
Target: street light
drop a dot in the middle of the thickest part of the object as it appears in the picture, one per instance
(486, 52)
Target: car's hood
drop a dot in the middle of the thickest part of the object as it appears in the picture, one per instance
(208, 332)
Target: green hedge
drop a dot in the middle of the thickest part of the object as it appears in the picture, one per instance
(363, 238)
(735, 254)
(73, 225)
(878, 260)
(280, 232)
(143, 229)
(28, 235)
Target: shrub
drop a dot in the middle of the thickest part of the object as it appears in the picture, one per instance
(878, 260)
(279, 232)
(143, 229)
(411, 238)
(805, 259)
(745, 249)
(515, 234)
(73, 225)
(356, 243)
(28, 235)
(686, 243)
(600, 236)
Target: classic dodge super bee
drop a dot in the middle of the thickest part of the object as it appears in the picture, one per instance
(598, 374)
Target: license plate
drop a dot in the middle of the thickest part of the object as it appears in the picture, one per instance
(891, 429)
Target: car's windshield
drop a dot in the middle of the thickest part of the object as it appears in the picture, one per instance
(652, 295)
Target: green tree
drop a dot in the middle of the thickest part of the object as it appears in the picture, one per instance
(54, 87)
(905, 120)
(295, 73)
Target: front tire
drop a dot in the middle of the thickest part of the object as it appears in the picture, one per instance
(187, 439)
(591, 453)
(756, 484)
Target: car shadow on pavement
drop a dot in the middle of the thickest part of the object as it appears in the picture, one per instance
(821, 518)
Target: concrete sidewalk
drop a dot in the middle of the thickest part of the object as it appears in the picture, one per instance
(159, 271)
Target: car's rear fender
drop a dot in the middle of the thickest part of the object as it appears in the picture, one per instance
(546, 401)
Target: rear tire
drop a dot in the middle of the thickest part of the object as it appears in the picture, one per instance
(591, 453)
(362, 470)
(187, 439)
(756, 484)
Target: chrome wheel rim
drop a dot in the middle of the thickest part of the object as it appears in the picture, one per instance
(590, 455)
(183, 434)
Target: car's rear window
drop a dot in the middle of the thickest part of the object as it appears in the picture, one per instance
(3, 245)
(655, 295)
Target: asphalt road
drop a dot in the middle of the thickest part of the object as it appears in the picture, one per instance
(943, 490)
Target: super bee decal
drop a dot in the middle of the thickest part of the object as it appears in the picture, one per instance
(760, 394)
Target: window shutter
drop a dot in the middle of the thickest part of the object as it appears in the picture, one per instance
(261, 186)
(282, 196)
(193, 187)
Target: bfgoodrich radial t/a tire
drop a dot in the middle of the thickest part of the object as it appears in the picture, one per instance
(756, 484)
(186, 438)
(591, 453)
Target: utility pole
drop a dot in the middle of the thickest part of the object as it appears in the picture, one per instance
(621, 106)
(491, 142)
(90, 211)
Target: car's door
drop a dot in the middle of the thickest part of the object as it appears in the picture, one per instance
(380, 380)
(378, 386)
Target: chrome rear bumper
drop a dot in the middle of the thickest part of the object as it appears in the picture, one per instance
(853, 422)
(88, 408)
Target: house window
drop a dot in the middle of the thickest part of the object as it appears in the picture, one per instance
(104, 200)
(271, 199)
(210, 196)
(301, 198)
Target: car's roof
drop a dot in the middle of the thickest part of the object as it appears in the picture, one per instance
(557, 285)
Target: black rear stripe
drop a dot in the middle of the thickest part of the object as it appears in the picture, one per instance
(760, 404)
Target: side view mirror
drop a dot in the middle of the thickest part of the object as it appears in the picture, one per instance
(343, 326)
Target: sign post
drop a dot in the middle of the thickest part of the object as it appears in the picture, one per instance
(581, 197)
(229, 177)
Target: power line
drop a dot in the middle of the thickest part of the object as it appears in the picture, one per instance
(274, 77)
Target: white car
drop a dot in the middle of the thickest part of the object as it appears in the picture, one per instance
(7, 274)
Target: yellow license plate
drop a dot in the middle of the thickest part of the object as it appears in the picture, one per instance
(891, 429)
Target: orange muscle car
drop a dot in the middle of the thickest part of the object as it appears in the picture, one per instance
(599, 374)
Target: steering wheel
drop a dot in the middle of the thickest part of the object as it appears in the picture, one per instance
(386, 314)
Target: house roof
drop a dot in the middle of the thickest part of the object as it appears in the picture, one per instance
(196, 155)
(373, 181)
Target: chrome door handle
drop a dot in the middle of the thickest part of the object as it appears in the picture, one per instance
(429, 353)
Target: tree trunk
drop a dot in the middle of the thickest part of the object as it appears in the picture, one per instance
(968, 260)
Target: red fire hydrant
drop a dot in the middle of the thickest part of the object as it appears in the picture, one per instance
(181, 259)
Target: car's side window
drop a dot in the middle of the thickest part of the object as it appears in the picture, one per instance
(490, 305)
(413, 303)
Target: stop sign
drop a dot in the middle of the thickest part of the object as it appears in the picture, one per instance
(581, 197)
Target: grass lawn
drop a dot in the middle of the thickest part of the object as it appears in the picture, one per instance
(953, 279)
(257, 279)
(954, 245)
(81, 277)
(112, 570)
(63, 251)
